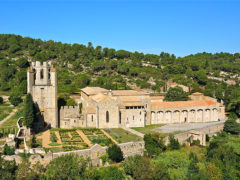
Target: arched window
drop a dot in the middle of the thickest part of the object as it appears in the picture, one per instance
(107, 117)
(120, 117)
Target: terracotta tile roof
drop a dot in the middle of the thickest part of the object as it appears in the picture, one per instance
(183, 103)
(93, 90)
(156, 97)
(174, 83)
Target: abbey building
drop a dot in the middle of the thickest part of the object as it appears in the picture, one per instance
(102, 108)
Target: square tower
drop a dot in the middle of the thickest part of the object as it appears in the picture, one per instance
(42, 84)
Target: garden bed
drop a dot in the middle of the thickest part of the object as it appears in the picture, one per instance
(122, 136)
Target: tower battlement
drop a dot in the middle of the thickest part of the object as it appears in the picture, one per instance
(42, 84)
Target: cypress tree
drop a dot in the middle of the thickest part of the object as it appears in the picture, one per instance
(28, 111)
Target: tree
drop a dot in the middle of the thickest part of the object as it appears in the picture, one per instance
(174, 144)
(137, 167)
(115, 153)
(231, 126)
(7, 169)
(193, 169)
(154, 144)
(234, 106)
(29, 111)
(112, 173)
(8, 150)
(69, 166)
(176, 94)
(15, 99)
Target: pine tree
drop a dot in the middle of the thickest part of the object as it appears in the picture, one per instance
(28, 111)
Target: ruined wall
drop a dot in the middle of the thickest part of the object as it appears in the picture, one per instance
(70, 117)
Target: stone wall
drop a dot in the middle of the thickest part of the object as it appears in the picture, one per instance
(197, 134)
(42, 84)
(96, 151)
(70, 117)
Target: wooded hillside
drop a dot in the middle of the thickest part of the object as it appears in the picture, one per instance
(216, 75)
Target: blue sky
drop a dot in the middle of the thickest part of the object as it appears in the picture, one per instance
(181, 27)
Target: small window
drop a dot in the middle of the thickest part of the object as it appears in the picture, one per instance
(140, 113)
(41, 74)
(65, 123)
(120, 117)
(133, 117)
(74, 121)
(92, 118)
(107, 117)
(49, 74)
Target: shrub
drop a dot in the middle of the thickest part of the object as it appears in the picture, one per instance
(8, 150)
(15, 99)
(137, 167)
(115, 153)
(231, 126)
(174, 144)
(154, 144)
(53, 137)
(195, 142)
(111, 172)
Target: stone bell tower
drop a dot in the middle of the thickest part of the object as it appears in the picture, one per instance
(42, 84)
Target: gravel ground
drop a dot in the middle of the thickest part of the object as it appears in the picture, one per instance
(169, 128)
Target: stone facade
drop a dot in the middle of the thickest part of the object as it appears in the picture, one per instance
(102, 108)
(42, 84)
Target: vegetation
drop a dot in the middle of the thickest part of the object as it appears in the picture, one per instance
(154, 144)
(79, 66)
(148, 128)
(115, 153)
(15, 99)
(28, 111)
(173, 143)
(176, 94)
(8, 150)
(122, 135)
(220, 160)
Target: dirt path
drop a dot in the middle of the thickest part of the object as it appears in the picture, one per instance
(110, 137)
(45, 139)
(84, 137)
(8, 117)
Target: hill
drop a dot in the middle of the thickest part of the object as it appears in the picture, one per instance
(216, 75)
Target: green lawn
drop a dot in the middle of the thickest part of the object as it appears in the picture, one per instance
(5, 110)
(122, 136)
(147, 128)
(12, 122)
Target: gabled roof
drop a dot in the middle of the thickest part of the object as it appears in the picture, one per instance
(93, 90)
(128, 93)
(179, 104)
(156, 97)
(98, 97)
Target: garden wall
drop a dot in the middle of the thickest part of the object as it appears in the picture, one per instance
(96, 151)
